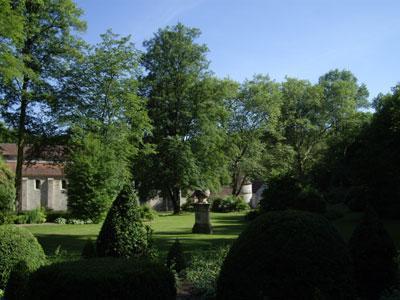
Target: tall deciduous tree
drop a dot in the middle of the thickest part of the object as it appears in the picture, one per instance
(40, 56)
(108, 122)
(253, 112)
(185, 104)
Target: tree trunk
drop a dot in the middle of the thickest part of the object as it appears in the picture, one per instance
(21, 144)
(175, 196)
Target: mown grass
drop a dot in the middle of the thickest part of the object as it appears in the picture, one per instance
(167, 227)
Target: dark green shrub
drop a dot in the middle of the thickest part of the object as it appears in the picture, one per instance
(17, 282)
(188, 205)
(7, 189)
(287, 255)
(228, 204)
(53, 215)
(147, 213)
(280, 194)
(123, 233)
(7, 218)
(176, 258)
(89, 249)
(357, 198)
(252, 214)
(374, 255)
(102, 278)
(310, 200)
(287, 193)
(16, 245)
(36, 216)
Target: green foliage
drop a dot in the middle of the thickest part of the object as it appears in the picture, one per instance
(89, 250)
(17, 282)
(254, 110)
(95, 175)
(7, 189)
(373, 158)
(102, 278)
(287, 255)
(374, 256)
(18, 244)
(229, 204)
(252, 214)
(147, 213)
(123, 233)
(286, 192)
(36, 216)
(187, 134)
(60, 220)
(175, 257)
(204, 269)
(7, 218)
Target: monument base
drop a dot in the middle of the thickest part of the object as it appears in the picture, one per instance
(202, 218)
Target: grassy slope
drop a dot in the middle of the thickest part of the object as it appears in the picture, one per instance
(167, 227)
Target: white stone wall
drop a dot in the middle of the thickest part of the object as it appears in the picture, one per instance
(49, 195)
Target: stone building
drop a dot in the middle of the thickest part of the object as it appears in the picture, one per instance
(43, 181)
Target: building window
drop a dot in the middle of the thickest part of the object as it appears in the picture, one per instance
(37, 184)
(63, 184)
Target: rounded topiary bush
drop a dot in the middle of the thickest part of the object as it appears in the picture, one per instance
(102, 278)
(374, 255)
(123, 233)
(18, 245)
(287, 255)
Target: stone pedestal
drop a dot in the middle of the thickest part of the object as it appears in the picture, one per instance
(202, 218)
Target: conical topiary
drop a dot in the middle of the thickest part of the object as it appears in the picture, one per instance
(373, 252)
(176, 258)
(123, 233)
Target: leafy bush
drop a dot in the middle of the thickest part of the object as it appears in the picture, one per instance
(21, 219)
(228, 204)
(95, 176)
(287, 193)
(147, 213)
(123, 233)
(176, 258)
(374, 255)
(188, 205)
(76, 221)
(102, 278)
(17, 282)
(89, 250)
(7, 189)
(16, 245)
(52, 215)
(287, 255)
(36, 216)
(204, 270)
(60, 220)
(7, 218)
(252, 214)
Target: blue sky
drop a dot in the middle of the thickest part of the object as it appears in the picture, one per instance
(297, 38)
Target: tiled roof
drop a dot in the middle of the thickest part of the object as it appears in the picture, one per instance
(39, 169)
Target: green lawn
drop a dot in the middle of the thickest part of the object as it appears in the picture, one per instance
(167, 227)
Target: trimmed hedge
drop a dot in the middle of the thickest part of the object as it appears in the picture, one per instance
(287, 255)
(374, 255)
(123, 233)
(18, 245)
(102, 278)
(176, 258)
(229, 204)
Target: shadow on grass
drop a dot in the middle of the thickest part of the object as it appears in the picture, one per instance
(73, 244)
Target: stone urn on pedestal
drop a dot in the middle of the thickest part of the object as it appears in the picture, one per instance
(202, 212)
